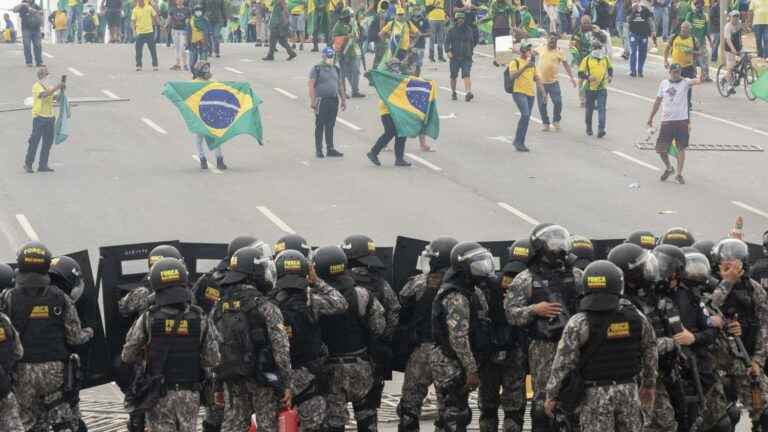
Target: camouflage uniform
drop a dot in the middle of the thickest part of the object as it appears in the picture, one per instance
(9, 407)
(177, 409)
(136, 302)
(605, 408)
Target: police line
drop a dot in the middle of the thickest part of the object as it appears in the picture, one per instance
(123, 267)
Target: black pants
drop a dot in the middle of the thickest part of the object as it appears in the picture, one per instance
(149, 39)
(42, 128)
(389, 132)
(275, 37)
(316, 33)
(325, 120)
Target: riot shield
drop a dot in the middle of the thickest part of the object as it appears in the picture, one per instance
(200, 258)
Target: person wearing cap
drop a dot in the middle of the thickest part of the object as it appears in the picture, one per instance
(522, 72)
(326, 95)
(673, 99)
(178, 342)
(43, 121)
(550, 58)
(401, 34)
(612, 346)
(347, 47)
(595, 72)
(460, 45)
(732, 40)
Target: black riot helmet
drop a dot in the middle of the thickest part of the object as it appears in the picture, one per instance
(472, 259)
(292, 269)
(240, 242)
(671, 261)
(361, 250)
(33, 257)
(706, 247)
(436, 255)
(520, 255)
(68, 276)
(644, 239)
(697, 268)
(7, 277)
(582, 251)
(731, 249)
(292, 242)
(603, 283)
(253, 262)
(163, 251)
(638, 264)
(677, 236)
(170, 281)
(551, 244)
(329, 262)
(765, 242)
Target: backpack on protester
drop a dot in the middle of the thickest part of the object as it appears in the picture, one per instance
(509, 83)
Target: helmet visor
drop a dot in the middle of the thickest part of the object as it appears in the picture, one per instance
(556, 238)
(732, 250)
(423, 264)
(696, 266)
(667, 265)
(647, 265)
(481, 262)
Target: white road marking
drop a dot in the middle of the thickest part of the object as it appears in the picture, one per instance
(210, 166)
(504, 139)
(518, 213)
(482, 54)
(533, 119)
(246, 60)
(750, 208)
(7, 233)
(348, 124)
(305, 163)
(48, 55)
(449, 116)
(154, 126)
(75, 71)
(27, 227)
(424, 162)
(286, 93)
(233, 70)
(637, 161)
(275, 220)
(28, 101)
(109, 94)
(448, 89)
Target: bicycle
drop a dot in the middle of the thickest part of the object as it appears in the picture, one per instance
(743, 73)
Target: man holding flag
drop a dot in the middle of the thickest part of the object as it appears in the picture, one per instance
(43, 121)
(675, 131)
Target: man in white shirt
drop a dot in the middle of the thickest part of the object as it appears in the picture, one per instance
(672, 98)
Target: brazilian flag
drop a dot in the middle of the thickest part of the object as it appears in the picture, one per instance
(218, 110)
(760, 87)
(61, 127)
(411, 101)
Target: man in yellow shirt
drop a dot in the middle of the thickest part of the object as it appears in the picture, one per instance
(550, 59)
(684, 49)
(522, 72)
(43, 121)
(400, 32)
(143, 19)
(297, 22)
(595, 72)
(758, 16)
(59, 22)
(437, 18)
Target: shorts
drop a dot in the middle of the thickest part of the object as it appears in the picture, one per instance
(297, 23)
(675, 130)
(463, 65)
(730, 60)
(689, 71)
(114, 17)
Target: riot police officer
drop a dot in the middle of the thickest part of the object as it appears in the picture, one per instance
(255, 351)
(7, 278)
(178, 344)
(542, 298)
(519, 257)
(612, 346)
(293, 242)
(416, 299)
(582, 252)
(302, 306)
(48, 324)
(642, 238)
(461, 329)
(139, 299)
(348, 368)
(677, 236)
(759, 269)
(11, 352)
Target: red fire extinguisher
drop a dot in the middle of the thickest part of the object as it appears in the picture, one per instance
(288, 420)
(253, 423)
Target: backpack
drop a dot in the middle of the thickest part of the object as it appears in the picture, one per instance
(509, 83)
(34, 18)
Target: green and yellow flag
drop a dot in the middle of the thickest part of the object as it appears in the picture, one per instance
(218, 110)
(411, 101)
(760, 87)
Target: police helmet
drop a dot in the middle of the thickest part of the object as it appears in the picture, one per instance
(251, 262)
(170, 281)
(603, 283)
(7, 277)
(472, 259)
(519, 256)
(765, 242)
(677, 236)
(68, 276)
(329, 262)
(697, 266)
(644, 239)
(361, 249)
(731, 249)
(293, 242)
(671, 261)
(163, 251)
(551, 243)
(33, 257)
(240, 242)
(706, 247)
(436, 255)
(638, 264)
(292, 269)
(582, 251)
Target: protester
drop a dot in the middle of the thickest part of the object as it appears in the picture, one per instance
(470, 16)
(623, 9)
(550, 59)
(90, 26)
(216, 14)
(700, 30)
(278, 31)
(550, 7)
(503, 21)
(595, 73)
(347, 47)
(390, 130)
(31, 16)
(683, 48)
(126, 28)
(9, 32)
(640, 28)
(564, 13)
(437, 22)
(528, 24)
(142, 19)
(199, 36)
(178, 20)
(201, 72)
(326, 93)
(400, 33)
(714, 29)
(758, 13)
(523, 74)
(422, 24)
(321, 24)
(378, 21)
(113, 11)
(460, 46)
(43, 121)
(58, 20)
(297, 25)
(75, 31)
(732, 41)
(682, 9)
(673, 97)
(661, 16)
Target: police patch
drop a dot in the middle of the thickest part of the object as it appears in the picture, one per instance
(647, 240)
(292, 265)
(520, 251)
(39, 312)
(618, 330)
(212, 294)
(170, 275)
(596, 282)
(337, 269)
(3, 336)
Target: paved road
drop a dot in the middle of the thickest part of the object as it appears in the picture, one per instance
(127, 173)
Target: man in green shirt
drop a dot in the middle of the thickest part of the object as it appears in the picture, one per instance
(278, 30)
(347, 48)
(700, 31)
(681, 12)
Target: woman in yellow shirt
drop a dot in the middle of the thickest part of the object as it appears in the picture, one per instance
(59, 22)
(522, 72)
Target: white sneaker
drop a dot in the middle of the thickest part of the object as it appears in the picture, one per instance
(545, 128)
(556, 126)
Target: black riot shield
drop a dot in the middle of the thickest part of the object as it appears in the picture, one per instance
(201, 258)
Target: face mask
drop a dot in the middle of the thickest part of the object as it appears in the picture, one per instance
(598, 53)
(198, 13)
(328, 61)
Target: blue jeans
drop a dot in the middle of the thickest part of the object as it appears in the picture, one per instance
(74, 22)
(215, 39)
(438, 37)
(565, 22)
(761, 39)
(197, 51)
(553, 90)
(661, 18)
(638, 46)
(715, 46)
(599, 98)
(31, 41)
(524, 104)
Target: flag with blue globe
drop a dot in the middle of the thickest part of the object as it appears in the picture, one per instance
(411, 102)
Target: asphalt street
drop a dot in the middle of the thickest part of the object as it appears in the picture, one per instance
(127, 173)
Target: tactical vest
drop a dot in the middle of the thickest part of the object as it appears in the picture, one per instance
(618, 357)
(245, 344)
(504, 336)
(7, 343)
(303, 331)
(345, 333)
(422, 309)
(40, 322)
(552, 286)
(175, 345)
(740, 301)
(479, 339)
(371, 281)
(759, 272)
